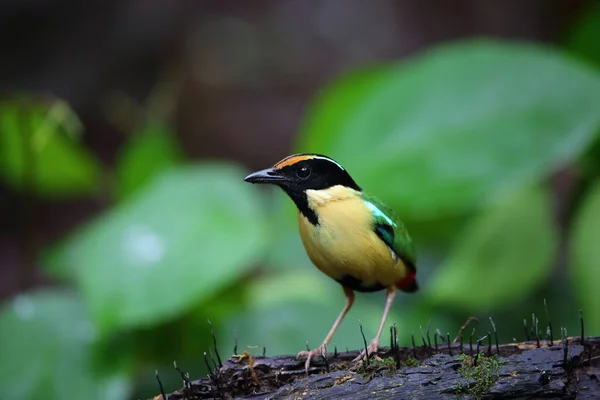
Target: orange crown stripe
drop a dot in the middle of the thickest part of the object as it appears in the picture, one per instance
(293, 159)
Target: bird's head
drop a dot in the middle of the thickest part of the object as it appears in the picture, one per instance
(298, 173)
(301, 172)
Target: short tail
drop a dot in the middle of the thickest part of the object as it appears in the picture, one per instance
(408, 284)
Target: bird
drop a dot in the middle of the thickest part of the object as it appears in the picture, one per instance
(348, 234)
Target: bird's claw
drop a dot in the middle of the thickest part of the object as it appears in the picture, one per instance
(309, 354)
(369, 352)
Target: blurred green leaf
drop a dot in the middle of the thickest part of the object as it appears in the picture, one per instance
(585, 258)
(46, 348)
(290, 308)
(181, 338)
(148, 151)
(40, 151)
(436, 134)
(583, 40)
(501, 256)
(191, 231)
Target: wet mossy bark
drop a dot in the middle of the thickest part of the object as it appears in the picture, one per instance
(559, 370)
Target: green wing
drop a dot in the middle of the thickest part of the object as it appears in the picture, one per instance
(391, 230)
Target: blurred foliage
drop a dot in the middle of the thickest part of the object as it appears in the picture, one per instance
(507, 249)
(462, 140)
(39, 150)
(147, 152)
(585, 255)
(460, 123)
(47, 349)
(168, 246)
(583, 40)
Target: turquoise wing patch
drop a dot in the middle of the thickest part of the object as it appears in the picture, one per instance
(377, 213)
(392, 232)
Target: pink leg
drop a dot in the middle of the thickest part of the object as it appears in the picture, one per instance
(322, 349)
(374, 345)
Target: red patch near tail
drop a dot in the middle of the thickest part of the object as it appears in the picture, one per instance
(408, 283)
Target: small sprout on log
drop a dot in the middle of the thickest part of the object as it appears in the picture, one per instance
(537, 332)
(481, 339)
(414, 347)
(428, 338)
(365, 359)
(582, 326)
(207, 365)
(423, 336)
(187, 384)
(495, 335)
(565, 341)
(160, 385)
(214, 338)
(235, 341)
(527, 336)
(264, 351)
(549, 333)
(440, 335)
(395, 347)
(212, 359)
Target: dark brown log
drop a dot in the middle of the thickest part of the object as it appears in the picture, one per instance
(559, 370)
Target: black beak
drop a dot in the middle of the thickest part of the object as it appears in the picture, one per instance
(269, 175)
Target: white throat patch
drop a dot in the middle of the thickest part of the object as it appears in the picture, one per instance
(318, 198)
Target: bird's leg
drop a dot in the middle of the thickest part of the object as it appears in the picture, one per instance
(374, 345)
(322, 349)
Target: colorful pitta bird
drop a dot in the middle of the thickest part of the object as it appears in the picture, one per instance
(348, 234)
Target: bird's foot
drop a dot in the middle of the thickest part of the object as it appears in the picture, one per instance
(319, 351)
(370, 351)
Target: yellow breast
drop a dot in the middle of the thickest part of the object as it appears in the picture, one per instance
(344, 244)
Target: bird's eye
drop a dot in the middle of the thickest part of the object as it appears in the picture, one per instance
(303, 172)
